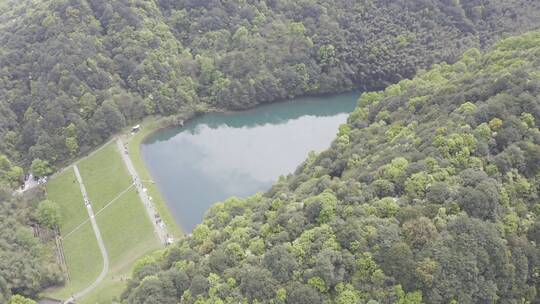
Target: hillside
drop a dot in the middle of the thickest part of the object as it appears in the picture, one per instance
(27, 265)
(429, 193)
(73, 72)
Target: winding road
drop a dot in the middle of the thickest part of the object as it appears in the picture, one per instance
(99, 239)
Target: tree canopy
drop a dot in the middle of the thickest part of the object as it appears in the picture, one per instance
(432, 198)
(73, 72)
(27, 265)
(428, 193)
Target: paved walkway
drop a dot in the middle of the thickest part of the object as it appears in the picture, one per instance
(99, 239)
(98, 212)
(159, 226)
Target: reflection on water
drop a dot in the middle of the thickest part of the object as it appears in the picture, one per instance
(220, 155)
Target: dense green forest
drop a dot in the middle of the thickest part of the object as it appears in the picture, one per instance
(27, 265)
(73, 72)
(428, 194)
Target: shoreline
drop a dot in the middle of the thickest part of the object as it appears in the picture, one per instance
(149, 126)
(153, 124)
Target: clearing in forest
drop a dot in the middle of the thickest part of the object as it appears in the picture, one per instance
(125, 227)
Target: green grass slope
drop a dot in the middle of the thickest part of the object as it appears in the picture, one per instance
(134, 142)
(83, 258)
(125, 227)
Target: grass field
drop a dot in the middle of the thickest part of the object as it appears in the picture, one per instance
(114, 283)
(64, 190)
(82, 253)
(125, 227)
(124, 224)
(104, 176)
(134, 143)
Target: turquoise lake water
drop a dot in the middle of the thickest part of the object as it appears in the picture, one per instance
(219, 155)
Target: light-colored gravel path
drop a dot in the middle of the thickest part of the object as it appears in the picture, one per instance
(99, 239)
(159, 226)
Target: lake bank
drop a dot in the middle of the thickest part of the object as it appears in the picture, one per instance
(267, 116)
(188, 184)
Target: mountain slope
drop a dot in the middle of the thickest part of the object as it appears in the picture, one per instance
(73, 72)
(429, 193)
(27, 265)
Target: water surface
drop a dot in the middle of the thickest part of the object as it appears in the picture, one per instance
(219, 155)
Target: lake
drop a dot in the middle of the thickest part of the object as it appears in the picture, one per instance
(219, 155)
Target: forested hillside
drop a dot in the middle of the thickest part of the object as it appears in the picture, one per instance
(73, 72)
(429, 193)
(27, 265)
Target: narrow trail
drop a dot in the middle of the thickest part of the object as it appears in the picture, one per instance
(159, 227)
(98, 212)
(99, 239)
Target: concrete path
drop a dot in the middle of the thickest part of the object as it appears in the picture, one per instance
(159, 226)
(98, 212)
(99, 239)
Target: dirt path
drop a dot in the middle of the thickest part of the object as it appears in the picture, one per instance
(99, 239)
(159, 226)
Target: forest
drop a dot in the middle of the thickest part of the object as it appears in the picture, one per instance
(430, 178)
(27, 265)
(429, 194)
(73, 72)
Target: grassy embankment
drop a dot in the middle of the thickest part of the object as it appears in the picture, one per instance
(124, 224)
(82, 253)
(148, 126)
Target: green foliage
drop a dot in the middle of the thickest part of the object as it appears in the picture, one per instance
(437, 203)
(386, 207)
(48, 214)
(458, 147)
(467, 108)
(40, 168)
(346, 294)
(129, 59)
(327, 202)
(408, 298)
(10, 175)
(395, 170)
(327, 55)
(318, 283)
(455, 149)
(27, 265)
(495, 124)
(528, 120)
(417, 184)
(18, 299)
